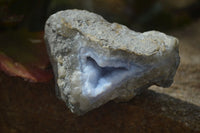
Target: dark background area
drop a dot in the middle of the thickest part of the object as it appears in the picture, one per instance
(140, 15)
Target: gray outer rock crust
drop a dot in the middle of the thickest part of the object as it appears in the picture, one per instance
(124, 61)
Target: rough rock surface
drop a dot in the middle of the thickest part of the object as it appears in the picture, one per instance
(95, 61)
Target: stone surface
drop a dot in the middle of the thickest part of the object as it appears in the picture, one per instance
(25, 105)
(95, 61)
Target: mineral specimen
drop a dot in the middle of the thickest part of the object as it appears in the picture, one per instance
(95, 61)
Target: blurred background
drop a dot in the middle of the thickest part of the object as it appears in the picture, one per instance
(140, 15)
(27, 99)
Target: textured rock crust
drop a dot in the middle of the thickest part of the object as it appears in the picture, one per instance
(95, 61)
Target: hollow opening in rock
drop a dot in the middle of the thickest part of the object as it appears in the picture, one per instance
(97, 79)
(105, 71)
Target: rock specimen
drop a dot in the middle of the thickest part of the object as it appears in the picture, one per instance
(95, 61)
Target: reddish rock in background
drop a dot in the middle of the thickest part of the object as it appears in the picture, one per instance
(23, 54)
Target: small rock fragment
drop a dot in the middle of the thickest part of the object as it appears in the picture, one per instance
(95, 61)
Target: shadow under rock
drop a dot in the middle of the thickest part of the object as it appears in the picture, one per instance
(28, 107)
(147, 112)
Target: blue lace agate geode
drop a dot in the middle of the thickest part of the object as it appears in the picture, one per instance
(95, 61)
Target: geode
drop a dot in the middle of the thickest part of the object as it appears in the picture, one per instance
(95, 61)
